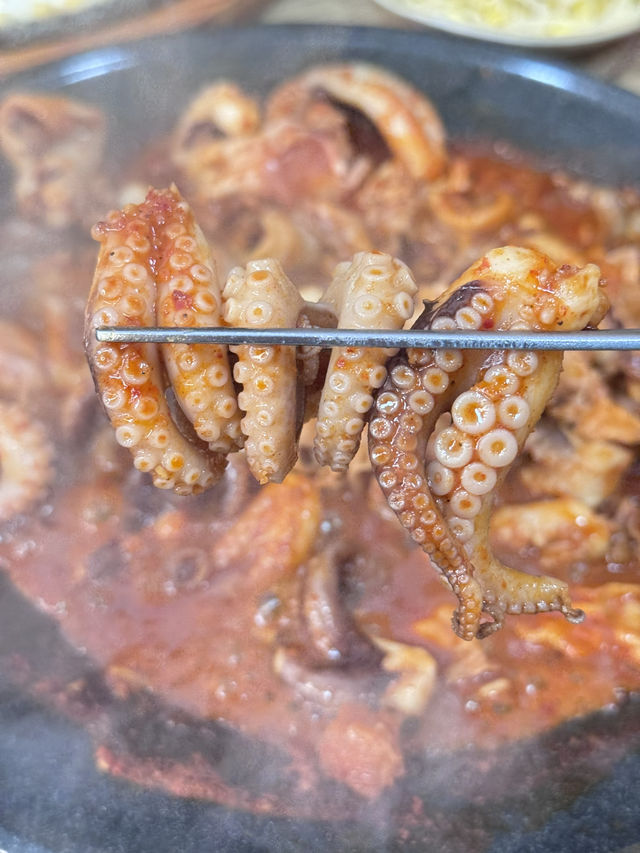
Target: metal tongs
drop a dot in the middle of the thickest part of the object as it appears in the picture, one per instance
(589, 339)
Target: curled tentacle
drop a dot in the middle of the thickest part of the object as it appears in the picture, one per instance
(449, 424)
(25, 461)
(219, 110)
(457, 202)
(405, 120)
(259, 296)
(55, 145)
(542, 297)
(374, 291)
(129, 377)
(406, 410)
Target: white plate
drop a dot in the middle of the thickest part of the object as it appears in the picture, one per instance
(599, 32)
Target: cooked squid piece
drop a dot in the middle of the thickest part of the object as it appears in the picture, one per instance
(449, 424)
(55, 146)
(373, 291)
(256, 297)
(129, 377)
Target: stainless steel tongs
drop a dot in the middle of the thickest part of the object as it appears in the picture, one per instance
(590, 339)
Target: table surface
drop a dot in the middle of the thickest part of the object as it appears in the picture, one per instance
(618, 62)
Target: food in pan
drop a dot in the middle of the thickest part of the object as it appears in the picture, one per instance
(474, 412)
(541, 20)
(300, 614)
(56, 148)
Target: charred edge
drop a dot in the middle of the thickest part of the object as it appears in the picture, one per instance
(458, 299)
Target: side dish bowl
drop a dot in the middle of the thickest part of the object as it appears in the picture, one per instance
(574, 34)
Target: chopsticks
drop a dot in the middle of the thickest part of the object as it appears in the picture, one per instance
(590, 339)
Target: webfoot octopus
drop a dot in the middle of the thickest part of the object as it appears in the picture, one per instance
(446, 424)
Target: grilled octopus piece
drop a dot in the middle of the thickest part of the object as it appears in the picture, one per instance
(154, 266)
(373, 291)
(449, 423)
(152, 253)
(260, 296)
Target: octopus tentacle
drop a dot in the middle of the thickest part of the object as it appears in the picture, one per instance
(26, 461)
(281, 237)
(373, 291)
(262, 295)
(221, 109)
(456, 201)
(308, 356)
(406, 120)
(448, 423)
(55, 145)
(23, 376)
(516, 387)
(467, 214)
(411, 404)
(282, 164)
(478, 409)
(188, 294)
(129, 377)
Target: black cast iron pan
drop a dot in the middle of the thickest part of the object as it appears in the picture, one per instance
(577, 789)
